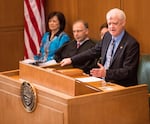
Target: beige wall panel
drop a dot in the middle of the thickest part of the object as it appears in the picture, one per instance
(11, 13)
(11, 49)
(94, 11)
(138, 21)
(11, 33)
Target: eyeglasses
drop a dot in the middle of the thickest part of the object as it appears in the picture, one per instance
(78, 31)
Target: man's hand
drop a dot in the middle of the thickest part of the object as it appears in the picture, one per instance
(65, 61)
(98, 72)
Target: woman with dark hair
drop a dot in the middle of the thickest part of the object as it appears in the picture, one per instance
(54, 38)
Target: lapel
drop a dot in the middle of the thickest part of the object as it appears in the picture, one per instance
(121, 47)
(106, 41)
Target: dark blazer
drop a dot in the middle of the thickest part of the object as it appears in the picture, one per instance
(70, 49)
(123, 69)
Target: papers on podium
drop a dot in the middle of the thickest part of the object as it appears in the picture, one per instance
(89, 79)
(37, 63)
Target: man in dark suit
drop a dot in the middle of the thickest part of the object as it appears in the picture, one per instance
(81, 43)
(118, 52)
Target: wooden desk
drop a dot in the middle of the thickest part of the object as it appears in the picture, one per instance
(125, 105)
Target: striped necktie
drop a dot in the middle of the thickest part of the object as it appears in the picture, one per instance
(110, 53)
(113, 47)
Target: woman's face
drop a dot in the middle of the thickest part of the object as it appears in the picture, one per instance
(54, 24)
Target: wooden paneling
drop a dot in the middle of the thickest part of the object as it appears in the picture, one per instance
(138, 21)
(11, 101)
(94, 12)
(11, 13)
(11, 48)
(122, 106)
(11, 34)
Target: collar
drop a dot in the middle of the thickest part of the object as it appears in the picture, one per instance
(119, 37)
(83, 40)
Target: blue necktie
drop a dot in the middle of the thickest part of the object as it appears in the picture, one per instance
(110, 53)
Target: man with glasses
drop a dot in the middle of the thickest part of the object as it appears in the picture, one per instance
(118, 52)
(81, 43)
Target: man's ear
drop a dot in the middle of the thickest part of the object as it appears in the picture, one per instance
(87, 31)
(124, 23)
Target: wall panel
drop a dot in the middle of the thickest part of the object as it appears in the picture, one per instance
(11, 13)
(94, 12)
(11, 49)
(11, 34)
(138, 21)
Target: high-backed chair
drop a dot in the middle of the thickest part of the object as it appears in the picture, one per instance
(144, 70)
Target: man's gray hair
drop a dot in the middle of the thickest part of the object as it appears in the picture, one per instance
(116, 12)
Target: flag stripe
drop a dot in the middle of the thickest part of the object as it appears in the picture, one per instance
(30, 40)
(34, 19)
(31, 32)
(42, 14)
(28, 50)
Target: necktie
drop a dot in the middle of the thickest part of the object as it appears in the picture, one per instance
(78, 44)
(110, 53)
(113, 46)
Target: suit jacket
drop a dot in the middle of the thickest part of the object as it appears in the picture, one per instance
(123, 68)
(70, 49)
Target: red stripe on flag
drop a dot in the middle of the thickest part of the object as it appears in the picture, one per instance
(34, 26)
(32, 45)
(33, 20)
(39, 2)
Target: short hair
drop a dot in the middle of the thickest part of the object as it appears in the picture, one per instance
(116, 12)
(61, 18)
(104, 25)
(83, 22)
(86, 25)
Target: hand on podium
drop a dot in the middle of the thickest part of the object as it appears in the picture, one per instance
(66, 61)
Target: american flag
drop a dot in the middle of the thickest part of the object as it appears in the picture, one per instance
(34, 26)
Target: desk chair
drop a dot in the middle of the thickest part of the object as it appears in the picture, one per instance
(144, 71)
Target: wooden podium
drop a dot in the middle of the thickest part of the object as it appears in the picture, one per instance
(62, 99)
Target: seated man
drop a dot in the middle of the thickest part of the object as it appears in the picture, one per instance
(80, 43)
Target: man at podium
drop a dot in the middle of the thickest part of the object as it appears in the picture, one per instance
(118, 52)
